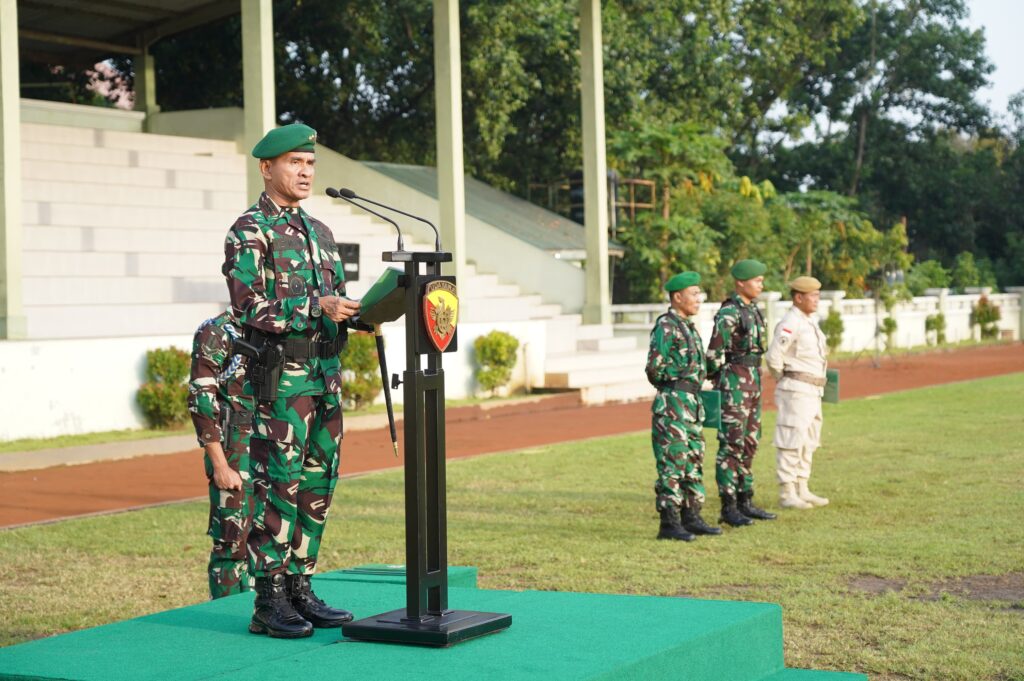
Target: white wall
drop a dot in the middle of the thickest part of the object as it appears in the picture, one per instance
(859, 317)
(71, 386)
(67, 386)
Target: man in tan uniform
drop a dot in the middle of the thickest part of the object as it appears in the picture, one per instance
(796, 358)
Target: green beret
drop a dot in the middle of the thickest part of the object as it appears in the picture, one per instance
(748, 269)
(681, 281)
(804, 285)
(293, 137)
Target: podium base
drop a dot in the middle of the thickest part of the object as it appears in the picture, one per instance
(454, 626)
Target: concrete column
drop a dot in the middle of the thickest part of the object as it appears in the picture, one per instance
(12, 314)
(1019, 291)
(597, 303)
(258, 84)
(145, 84)
(771, 315)
(451, 175)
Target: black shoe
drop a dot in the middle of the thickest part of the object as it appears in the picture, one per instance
(731, 515)
(307, 604)
(273, 613)
(746, 506)
(694, 523)
(670, 527)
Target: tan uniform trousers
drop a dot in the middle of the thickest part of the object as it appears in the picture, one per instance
(797, 433)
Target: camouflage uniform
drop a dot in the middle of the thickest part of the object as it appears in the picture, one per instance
(276, 261)
(677, 434)
(222, 413)
(734, 360)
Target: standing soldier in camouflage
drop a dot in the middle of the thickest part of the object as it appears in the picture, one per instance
(797, 358)
(287, 285)
(222, 417)
(734, 367)
(676, 367)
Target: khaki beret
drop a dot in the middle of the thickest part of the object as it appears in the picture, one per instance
(681, 281)
(804, 285)
(748, 269)
(293, 137)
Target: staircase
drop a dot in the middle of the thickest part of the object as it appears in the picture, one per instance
(124, 232)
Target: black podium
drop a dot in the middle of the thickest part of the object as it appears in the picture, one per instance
(431, 317)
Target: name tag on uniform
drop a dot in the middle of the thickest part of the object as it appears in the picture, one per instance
(831, 395)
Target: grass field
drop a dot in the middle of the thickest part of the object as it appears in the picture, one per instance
(915, 571)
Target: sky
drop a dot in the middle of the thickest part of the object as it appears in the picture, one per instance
(1002, 21)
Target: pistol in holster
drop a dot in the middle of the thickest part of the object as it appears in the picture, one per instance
(266, 362)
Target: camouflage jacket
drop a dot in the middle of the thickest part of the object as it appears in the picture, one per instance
(739, 332)
(275, 260)
(675, 354)
(215, 382)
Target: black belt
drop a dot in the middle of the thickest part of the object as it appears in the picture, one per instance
(744, 360)
(684, 385)
(302, 349)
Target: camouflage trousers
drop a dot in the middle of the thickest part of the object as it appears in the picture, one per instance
(677, 437)
(737, 441)
(230, 519)
(294, 463)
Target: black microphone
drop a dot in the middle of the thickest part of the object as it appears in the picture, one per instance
(335, 194)
(349, 194)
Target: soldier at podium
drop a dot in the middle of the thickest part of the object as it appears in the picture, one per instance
(287, 286)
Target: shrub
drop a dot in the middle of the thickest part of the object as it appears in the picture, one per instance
(985, 314)
(936, 323)
(163, 398)
(927, 274)
(832, 327)
(495, 358)
(889, 329)
(360, 371)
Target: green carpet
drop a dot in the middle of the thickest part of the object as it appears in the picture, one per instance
(554, 635)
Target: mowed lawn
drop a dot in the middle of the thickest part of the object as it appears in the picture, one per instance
(915, 571)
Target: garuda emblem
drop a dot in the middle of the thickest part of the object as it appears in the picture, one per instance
(440, 313)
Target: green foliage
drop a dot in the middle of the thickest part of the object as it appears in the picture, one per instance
(167, 365)
(936, 323)
(985, 314)
(360, 368)
(927, 274)
(163, 398)
(889, 329)
(965, 271)
(495, 355)
(832, 327)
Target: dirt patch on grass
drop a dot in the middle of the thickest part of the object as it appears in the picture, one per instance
(1008, 587)
(873, 584)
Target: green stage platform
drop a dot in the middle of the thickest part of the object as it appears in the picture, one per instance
(554, 635)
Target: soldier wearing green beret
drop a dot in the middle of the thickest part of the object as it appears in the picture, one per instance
(676, 367)
(734, 367)
(287, 287)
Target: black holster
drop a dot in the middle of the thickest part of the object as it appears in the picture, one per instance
(264, 372)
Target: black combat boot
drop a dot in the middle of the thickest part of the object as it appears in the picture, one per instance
(747, 508)
(731, 515)
(307, 604)
(670, 527)
(694, 523)
(273, 612)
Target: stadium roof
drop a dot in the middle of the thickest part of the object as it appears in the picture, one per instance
(520, 218)
(83, 33)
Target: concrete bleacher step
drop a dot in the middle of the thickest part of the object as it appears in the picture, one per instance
(581, 361)
(97, 321)
(592, 376)
(120, 240)
(120, 290)
(67, 264)
(609, 344)
(623, 391)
